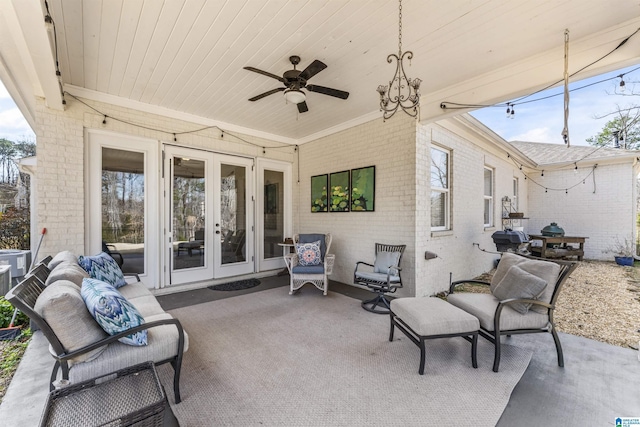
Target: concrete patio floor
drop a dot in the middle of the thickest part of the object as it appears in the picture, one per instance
(598, 383)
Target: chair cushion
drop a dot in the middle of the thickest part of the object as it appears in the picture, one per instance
(112, 311)
(517, 283)
(103, 267)
(483, 306)
(308, 269)
(384, 260)
(367, 276)
(546, 270)
(432, 316)
(309, 253)
(62, 307)
(310, 238)
(62, 257)
(66, 270)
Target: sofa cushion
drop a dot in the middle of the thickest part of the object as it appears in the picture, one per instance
(162, 345)
(384, 260)
(429, 316)
(483, 306)
(309, 253)
(147, 305)
(135, 290)
(517, 283)
(103, 267)
(63, 256)
(62, 307)
(66, 270)
(112, 311)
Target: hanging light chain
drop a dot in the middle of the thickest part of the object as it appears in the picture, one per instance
(400, 28)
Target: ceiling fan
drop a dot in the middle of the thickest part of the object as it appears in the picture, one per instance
(295, 80)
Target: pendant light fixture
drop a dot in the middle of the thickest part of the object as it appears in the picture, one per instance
(402, 91)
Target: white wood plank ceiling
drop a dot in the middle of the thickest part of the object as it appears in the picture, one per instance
(187, 55)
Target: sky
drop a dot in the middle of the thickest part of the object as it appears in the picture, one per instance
(543, 121)
(538, 121)
(13, 126)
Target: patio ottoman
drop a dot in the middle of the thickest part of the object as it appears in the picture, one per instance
(425, 318)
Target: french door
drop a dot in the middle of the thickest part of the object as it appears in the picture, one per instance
(208, 215)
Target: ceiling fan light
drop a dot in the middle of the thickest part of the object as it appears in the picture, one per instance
(294, 96)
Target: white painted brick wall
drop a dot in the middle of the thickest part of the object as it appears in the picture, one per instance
(400, 150)
(601, 209)
(61, 152)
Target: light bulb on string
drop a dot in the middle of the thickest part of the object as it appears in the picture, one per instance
(545, 190)
(542, 174)
(575, 170)
(622, 84)
(513, 112)
(508, 110)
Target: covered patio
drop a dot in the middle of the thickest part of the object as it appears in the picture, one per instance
(596, 386)
(160, 92)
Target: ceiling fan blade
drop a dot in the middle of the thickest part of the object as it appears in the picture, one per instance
(302, 107)
(262, 95)
(314, 68)
(264, 73)
(328, 91)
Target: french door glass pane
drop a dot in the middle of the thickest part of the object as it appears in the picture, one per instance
(233, 213)
(188, 213)
(273, 213)
(123, 208)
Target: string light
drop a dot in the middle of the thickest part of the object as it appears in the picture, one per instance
(508, 110)
(542, 175)
(575, 170)
(622, 84)
(104, 121)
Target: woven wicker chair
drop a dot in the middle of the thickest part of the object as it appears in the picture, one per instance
(315, 274)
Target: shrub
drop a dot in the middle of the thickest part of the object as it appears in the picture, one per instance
(6, 312)
(15, 229)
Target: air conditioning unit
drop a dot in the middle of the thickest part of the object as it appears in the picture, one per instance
(5, 279)
(18, 260)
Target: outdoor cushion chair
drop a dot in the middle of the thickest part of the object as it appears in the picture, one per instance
(311, 262)
(523, 297)
(385, 277)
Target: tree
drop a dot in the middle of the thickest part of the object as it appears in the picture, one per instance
(623, 129)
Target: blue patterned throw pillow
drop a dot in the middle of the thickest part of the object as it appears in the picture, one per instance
(112, 311)
(309, 253)
(103, 267)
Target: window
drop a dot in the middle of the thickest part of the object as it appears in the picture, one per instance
(440, 191)
(488, 197)
(514, 197)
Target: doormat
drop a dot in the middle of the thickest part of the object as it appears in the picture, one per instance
(236, 286)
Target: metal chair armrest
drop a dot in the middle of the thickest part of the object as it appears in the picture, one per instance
(460, 282)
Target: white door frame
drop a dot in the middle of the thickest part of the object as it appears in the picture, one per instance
(95, 140)
(278, 166)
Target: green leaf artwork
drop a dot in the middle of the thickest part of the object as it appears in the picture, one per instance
(339, 192)
(319, 193)
(363, 189)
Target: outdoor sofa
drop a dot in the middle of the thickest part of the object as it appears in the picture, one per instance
(81, 347)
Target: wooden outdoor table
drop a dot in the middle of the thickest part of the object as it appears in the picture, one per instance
(558, 247)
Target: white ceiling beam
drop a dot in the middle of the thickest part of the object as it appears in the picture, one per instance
(29, 31)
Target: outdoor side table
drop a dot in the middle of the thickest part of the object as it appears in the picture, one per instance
(131, 396)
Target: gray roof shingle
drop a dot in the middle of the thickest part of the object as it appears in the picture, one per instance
(545, 154)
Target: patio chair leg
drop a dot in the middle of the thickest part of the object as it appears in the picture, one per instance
(556, 339)
(370, 305)
(392, 328)
(474, 350)
(496, 359)
(422, 356)
(176, 380)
